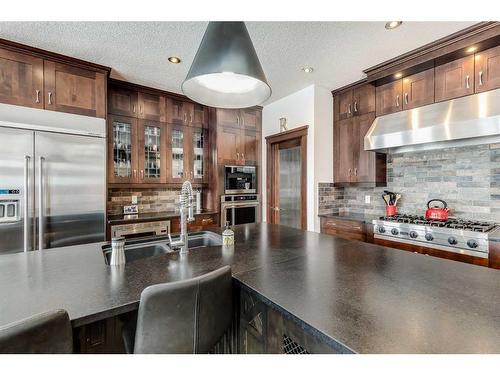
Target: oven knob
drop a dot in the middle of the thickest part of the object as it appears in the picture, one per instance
(381, 229)
(394, 231)
(429, 237)
(452, 240)
(472, 243)
(413, 234)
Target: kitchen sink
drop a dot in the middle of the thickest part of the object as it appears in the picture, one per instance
(150, 248)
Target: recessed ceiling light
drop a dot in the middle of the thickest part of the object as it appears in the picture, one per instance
(393, 24)
(307, 69)
(471, 49)
(398, 75)
(174, 59)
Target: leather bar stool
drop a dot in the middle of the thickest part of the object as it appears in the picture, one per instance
(46, 333)
(188, 316)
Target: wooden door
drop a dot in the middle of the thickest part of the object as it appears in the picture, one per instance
(454, 79)
(389, 97)
(178, 153)
(122, 101)
(198, 154)
(152, 107)
(345, 105)
(487, 70)
(228, 145)
(418, 89)
(74, 90)
(228, 118)
(122, 149)
(364, 161)
(250, 141)
(363, 100)
(199, 115)
(152, 142)
(344, 155)
(177, 111)
(21, 79)
(251, 119)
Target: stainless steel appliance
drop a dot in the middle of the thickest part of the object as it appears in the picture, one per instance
(456, 235)
(240, 209)
(52, 179)
(148, 228)
(240, 179)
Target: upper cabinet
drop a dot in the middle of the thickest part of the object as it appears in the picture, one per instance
(126, 101)
(151, 106)
(454, 79)
(356, 102)
(388, 98)
(21, 79)
(487, 70)
(122, 101)
(418, 89)
(32, 81)
(182, 112)
(247, 118)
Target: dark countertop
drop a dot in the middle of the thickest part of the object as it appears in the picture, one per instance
(368, 298)
(150, 216)
(351, 216)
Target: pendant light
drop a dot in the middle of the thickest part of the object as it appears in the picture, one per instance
(226, 71)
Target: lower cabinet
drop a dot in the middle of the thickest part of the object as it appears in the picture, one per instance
(101, 337)
(201, 222)
(264, 329)
(348, 229)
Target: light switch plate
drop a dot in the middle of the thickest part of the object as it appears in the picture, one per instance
(134, 199)
(367, 199)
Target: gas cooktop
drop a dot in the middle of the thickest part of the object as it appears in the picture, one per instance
(457, 235)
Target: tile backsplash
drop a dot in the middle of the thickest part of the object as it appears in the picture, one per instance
(148, 200)
(467, 178)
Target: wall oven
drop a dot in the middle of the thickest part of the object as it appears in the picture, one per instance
(240, 209)
(240, 179)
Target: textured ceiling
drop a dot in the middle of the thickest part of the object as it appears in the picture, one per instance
(138, 51)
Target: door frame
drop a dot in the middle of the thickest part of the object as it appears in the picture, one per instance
(299, 134)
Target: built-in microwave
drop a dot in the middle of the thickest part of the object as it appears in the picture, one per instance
(240, 179)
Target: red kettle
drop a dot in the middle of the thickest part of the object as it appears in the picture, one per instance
(436, 212)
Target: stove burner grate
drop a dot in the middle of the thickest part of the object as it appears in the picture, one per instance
(463, 224)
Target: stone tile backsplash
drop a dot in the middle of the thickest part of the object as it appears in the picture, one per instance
(148, 200)
(467, 178)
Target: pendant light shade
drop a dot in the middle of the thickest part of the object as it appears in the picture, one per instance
(226, 71)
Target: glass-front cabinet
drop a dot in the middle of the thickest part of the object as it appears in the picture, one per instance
(152, 152)
(199, 155)
(122, 160)
(177, 155)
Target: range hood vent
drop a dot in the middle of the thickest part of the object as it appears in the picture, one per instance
(471, 120)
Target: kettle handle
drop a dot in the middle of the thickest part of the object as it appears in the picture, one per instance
(437, 200)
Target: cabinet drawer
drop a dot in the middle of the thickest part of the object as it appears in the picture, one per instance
(346, 225)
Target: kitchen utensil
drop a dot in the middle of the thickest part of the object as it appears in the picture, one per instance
(436, 212)
(390, 210)
(386, 199)
(398, 197)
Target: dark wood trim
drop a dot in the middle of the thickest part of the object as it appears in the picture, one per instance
(300, 135)
(38, 52)
(494, 254)
(350, 86)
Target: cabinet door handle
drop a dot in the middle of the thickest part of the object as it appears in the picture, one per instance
(140, 109)
(237, 156)
(355, 171)
(355, 106)
(133, 108)
(142, 174)
(135, 173)
(190, 118)
(467, 82)
(37, 96)
(349, 108)
(406, 98)
(185, 117)
(480, 78)
(50, 97)
(397, 100)
(192, 175)
(350, 171)
(238, 120)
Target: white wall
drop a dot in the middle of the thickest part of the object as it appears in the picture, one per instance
(310, 106)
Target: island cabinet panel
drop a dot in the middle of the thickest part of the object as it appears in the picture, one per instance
(101, 337)
(454, 79)
(21, 79)
(389, 98)
(418, 89)
(74, 90)
(348, 229)
(122, 101)
(487, 69)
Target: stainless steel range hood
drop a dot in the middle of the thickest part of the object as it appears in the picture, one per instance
(471, 120)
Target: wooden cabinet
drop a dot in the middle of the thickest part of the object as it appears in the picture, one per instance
(201, 222)
(74, 90)
(356, 102)
(152, 154)
(199, 117)
(487, 69)
(251, 119)
(228, 118)
(228, 145)
(122, 101)
(122, 149)
(454, 79)
(21, 79)
(344, 107)
(198, 154)
(344, 151)
(181, 112)
(151, 106)
(34, 82)
(247, 118)
(348, 229)
(250, 147)
(389, 98)
(418, 89)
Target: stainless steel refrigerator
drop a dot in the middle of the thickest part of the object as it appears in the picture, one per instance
(52, 179)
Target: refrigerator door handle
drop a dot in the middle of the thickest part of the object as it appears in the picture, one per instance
(27, 160)
(41, 160)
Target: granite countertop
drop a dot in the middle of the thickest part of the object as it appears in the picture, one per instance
(351, 216)
(364, 297)
(151, 216)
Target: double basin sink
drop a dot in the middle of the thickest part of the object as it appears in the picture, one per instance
(149, 248)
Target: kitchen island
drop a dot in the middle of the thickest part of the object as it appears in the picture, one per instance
(353, 296)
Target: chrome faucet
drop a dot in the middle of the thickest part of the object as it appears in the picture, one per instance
(186, 210)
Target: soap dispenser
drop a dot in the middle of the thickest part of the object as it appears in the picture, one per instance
(227, 236)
